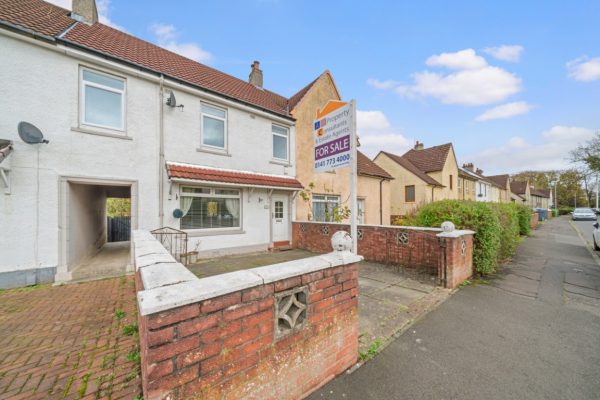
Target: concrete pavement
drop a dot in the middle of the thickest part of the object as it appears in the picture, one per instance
(533, 333)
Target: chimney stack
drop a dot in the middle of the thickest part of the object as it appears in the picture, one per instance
(85, 11)
(469, 167)
(479, 171)
(256, 75)
(419, 145)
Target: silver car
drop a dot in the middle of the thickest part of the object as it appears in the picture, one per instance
(596, 236)
(584, 214)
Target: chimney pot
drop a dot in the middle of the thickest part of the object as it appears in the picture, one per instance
(469, 166)
(85, 11)
(419, 145)
(256, 75)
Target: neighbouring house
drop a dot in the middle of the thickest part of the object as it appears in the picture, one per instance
(193, 148)
(531, 196)
(421, 175)
(503, 184)
(467, 184)
(485, 189)
(330, 191)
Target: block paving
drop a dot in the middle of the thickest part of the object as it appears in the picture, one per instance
(68, 342)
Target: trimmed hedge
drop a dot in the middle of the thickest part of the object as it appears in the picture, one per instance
(565, 210)
(497, 226)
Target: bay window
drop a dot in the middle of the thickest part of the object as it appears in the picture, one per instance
(210, 208)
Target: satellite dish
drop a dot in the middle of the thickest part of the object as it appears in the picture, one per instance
(30, 134)
(172, 102)
(177, 213)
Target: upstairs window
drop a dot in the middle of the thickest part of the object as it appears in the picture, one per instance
(409, 194)
(214, 126)
(102, 100)
(280, 143)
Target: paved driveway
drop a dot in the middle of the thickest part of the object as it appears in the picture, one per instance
(67, 342)
(533, 333)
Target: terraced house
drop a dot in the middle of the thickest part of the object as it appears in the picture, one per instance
(421, 175)
(193, 148)
(329, 192)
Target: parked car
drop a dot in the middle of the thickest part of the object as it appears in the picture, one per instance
(596, 236)
(583, 214)
(596, 210)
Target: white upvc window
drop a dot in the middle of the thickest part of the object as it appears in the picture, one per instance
(208, 208)
(280, 143)
(102, 100)
(324, 207)
(213, 121)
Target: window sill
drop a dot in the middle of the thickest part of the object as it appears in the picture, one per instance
(213, 151)
(202, 233)
(280, 162)
(90, 131)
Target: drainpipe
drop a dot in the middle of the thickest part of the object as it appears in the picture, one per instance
(161, 153)
(381, 202)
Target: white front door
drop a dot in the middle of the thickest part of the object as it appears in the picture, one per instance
(280, 218)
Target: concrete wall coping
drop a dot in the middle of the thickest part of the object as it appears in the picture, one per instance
(414, 228)
(169, 284)
(456, 233)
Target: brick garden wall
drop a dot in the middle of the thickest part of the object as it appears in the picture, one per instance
(410, 248)
(226, 347)
(417, 248)
(274, 332)
(535, 220)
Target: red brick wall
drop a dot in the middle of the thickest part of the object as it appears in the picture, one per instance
(378, 243)
(534, 220)
(459, 260)
(421, 250)
(225, 347)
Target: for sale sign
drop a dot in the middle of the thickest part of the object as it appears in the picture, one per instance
(333, 134)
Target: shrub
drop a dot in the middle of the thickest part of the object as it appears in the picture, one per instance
(497, 227)
(524, 215)
(565, 210)
(477, 216)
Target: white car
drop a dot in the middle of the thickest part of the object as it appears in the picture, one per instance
(584, 214)
(596, 236)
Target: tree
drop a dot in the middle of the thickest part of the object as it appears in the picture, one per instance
(117, 207)
(539, 179)
(588, 154)
(569, 189)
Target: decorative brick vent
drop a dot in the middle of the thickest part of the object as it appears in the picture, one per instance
(359, 234)
(463, 248)
(402, 238)
(290, 311)
(303, 228)
(325, 230)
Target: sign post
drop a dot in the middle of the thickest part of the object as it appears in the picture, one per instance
(335, 147)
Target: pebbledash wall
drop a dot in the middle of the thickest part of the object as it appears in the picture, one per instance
(274, 332)
(449, 255)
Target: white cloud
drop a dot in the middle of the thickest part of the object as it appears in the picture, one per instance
(507, 110)
(103, 7)
(464, 59)
(508, 53)
(549, 151)
(166, 37)
(473, 82)
(384, 85)
(568, 133)
(472, 87)
(376, 133)
(584, 69)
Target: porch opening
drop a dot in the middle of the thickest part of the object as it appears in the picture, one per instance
(99, 226)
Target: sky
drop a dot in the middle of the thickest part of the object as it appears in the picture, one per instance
(514, 85)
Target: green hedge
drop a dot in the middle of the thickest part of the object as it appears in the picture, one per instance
(497, 226)
(565, 210)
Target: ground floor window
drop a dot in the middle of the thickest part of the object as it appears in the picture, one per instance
(324, 207)
(210, 208)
